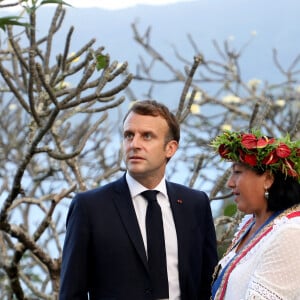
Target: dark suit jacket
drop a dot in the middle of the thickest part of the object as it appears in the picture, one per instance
(104, 254)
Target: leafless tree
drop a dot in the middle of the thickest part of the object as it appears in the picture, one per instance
(214, 97)
(55, 139)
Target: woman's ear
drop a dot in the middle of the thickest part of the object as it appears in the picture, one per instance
(269, 179)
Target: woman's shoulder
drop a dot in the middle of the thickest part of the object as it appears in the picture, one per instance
(284, 236)
(288, 216)
(286, 228)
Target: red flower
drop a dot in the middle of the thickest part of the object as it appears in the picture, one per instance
(241, 155)
(290, 166)
(283, 150)
(271, 141)
(292, 172)
(271, 158)
(264, 141)
(223, 151)
(249, 141)
(250, 159)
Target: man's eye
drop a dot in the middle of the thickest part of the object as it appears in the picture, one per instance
(147, 136)
(128, 136)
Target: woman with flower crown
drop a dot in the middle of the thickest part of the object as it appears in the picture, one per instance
(263, 260)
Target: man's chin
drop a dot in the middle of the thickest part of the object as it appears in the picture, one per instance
(136, 172)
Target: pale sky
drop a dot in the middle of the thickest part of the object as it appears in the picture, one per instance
(107, 4)
(119, 4)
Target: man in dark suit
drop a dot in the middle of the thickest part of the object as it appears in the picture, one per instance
(105, 253)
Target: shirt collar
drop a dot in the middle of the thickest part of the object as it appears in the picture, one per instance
(136, 188)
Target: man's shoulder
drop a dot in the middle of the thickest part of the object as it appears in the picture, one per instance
(180, 188)
(106, 188)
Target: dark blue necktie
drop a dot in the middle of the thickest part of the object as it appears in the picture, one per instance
(156, 246)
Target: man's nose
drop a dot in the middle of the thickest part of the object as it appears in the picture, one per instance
(135, 142)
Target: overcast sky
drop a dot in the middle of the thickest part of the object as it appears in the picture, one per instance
(105, 4)
(119, 4)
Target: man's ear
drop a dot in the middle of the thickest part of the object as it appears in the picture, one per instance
(171, 148)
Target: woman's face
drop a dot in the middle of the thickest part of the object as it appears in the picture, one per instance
(249, 188)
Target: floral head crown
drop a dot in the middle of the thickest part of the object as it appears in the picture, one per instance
(260, 152)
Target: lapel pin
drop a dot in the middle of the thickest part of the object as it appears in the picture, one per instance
(179, 201)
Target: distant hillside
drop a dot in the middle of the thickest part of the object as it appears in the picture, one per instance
(276, 23)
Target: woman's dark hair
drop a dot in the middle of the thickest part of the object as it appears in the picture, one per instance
(283, 193)
(154, 108)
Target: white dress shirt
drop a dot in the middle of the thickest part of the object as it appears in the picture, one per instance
(140, 206)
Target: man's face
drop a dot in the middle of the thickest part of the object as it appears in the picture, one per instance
(145, 147)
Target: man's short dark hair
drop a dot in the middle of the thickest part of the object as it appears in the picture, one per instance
(154, 108)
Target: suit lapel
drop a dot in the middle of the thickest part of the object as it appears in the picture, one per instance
(127, 214)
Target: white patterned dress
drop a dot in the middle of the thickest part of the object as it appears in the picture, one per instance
(268, 267)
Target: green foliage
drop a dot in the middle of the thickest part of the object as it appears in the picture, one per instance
(35, 4)
(14, 20)
(230, 210)
(102, 61)
(54, 2)
(11, 20)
